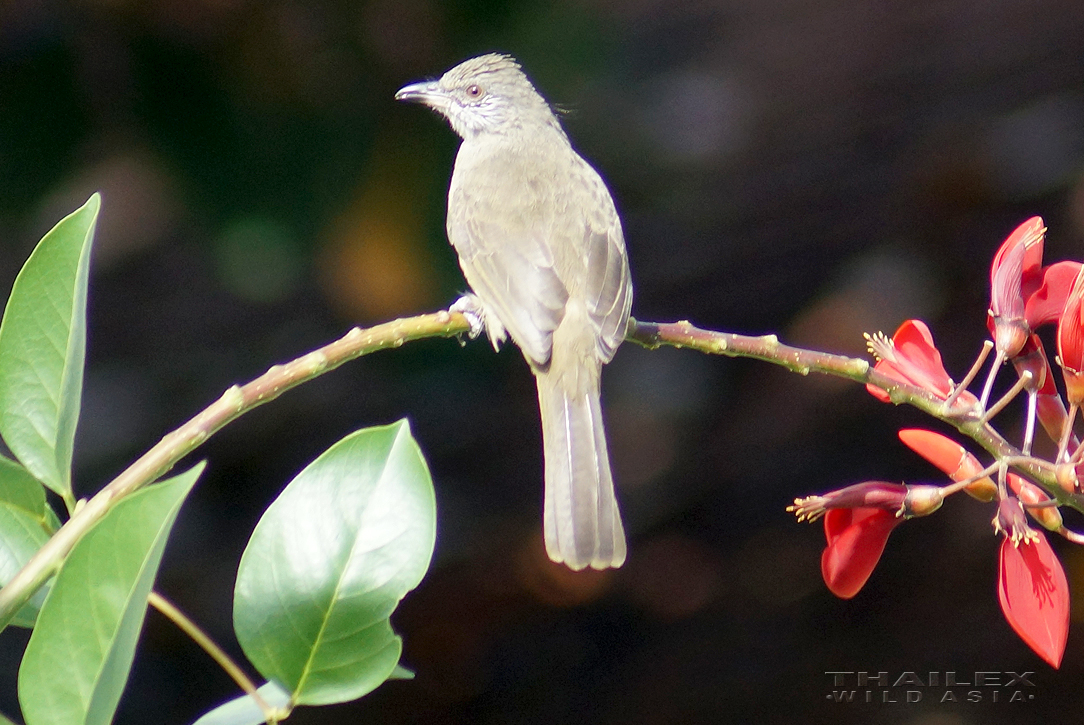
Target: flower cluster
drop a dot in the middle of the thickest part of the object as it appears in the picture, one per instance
(1032, 587)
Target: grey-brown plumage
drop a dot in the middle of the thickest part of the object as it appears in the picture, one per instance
(541, 246)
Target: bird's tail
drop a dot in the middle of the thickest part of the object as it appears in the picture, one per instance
(582, 522)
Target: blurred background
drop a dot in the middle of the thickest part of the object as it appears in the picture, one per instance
(814, 169)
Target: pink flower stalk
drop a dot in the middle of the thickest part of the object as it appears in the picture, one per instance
(1049, 405)
(1012, 523)
(1044, 400)
(869, 494)
(1034, 595)
(911, 357)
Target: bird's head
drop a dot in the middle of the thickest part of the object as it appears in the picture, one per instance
(487, 94)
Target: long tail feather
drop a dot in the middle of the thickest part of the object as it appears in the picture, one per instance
(582, 523)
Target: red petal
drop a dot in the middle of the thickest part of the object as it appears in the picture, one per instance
(856, 539)
(1034, 596)
(1031, 235)
(1045, 304)
(1052, 415)
(876, 392)
(1071, 341)
(1032, 358)
(917, 362)
(943, 452)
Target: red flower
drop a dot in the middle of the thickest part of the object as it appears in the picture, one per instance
(857, 522)
(856, 538)
(1024, 295)
(1014, 275)
(911, 357)
(1034, 596)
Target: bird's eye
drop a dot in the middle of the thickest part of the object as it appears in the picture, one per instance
(475, 91)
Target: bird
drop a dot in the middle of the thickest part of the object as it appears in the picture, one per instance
(540, 244)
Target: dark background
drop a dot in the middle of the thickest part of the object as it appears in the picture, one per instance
(815, 169)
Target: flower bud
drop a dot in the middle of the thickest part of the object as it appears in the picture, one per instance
(1029, 493)
(1065, 475)
(922, 500)
(1010, 335)
(952, 458)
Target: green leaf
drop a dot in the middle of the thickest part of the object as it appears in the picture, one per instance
(243, 710)
(26, 521)
(21, 535)
(42, 344)
(328, 563)
(78, 658)
(21, 490)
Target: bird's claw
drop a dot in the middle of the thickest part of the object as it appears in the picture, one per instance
(471, 308)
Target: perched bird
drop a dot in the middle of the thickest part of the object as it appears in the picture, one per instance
(540, 244)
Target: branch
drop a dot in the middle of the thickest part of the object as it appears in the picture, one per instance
(237, 401)
(969, 421)
(234, 403)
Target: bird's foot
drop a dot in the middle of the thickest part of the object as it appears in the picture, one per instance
(471, 308)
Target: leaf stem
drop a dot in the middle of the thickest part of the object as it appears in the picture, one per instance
(186, 625)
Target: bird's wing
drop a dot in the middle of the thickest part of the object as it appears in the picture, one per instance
(608, 283)
(529, 234)
(511, 271)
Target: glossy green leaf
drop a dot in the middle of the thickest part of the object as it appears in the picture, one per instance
(42, 345)
(21, 535)
(78, 658)
(328, 563)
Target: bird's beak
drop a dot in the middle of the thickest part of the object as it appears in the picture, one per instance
(427, 92)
